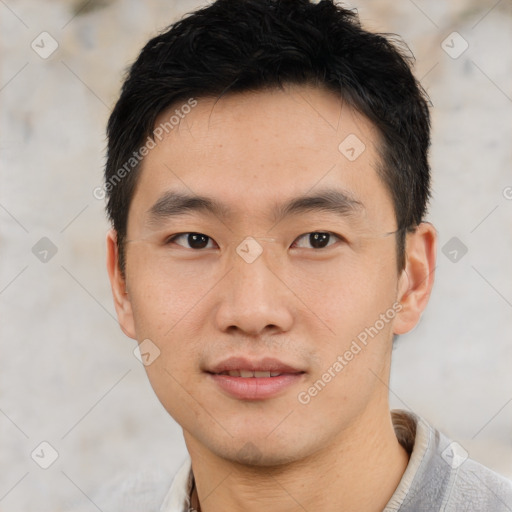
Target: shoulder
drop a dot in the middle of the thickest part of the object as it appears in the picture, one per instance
(479, 488)
(441, 477)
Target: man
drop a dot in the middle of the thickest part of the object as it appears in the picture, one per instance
(267, 182)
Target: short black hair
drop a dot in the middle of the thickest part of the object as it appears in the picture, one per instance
(235, 46)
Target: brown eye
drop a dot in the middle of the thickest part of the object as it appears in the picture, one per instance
(316, 240)
(192, 240)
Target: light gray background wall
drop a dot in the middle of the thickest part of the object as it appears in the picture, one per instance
(68, 375)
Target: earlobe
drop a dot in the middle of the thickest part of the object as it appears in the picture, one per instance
(417, 278)
(121, 298)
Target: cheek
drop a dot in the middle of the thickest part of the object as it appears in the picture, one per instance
(347, 296)
(162, 297)
(349, 301)
(175, 386)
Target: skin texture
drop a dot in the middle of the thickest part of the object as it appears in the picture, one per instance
(302, 305)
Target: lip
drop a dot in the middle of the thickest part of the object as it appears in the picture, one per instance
(255, 388)
(266, 364)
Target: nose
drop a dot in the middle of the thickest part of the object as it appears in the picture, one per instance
(255, 299)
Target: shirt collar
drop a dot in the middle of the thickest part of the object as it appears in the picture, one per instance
(416, 436)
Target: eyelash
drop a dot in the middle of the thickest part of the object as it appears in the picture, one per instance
(173, 238)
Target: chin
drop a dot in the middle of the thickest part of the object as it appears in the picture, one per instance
(260, 454)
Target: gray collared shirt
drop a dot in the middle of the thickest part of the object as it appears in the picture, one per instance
(439, 478)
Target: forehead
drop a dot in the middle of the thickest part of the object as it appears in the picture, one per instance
(251, 150)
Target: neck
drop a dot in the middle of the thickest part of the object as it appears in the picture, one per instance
(360, 471)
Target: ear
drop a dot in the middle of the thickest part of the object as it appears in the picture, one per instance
(417, 278)
(122, 301)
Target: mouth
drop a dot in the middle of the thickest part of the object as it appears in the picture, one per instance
(248, 374)
(246, 379)
(247, 368)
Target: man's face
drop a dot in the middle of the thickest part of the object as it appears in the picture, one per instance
(285, 295)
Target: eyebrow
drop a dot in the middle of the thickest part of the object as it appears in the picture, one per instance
(173, 204)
